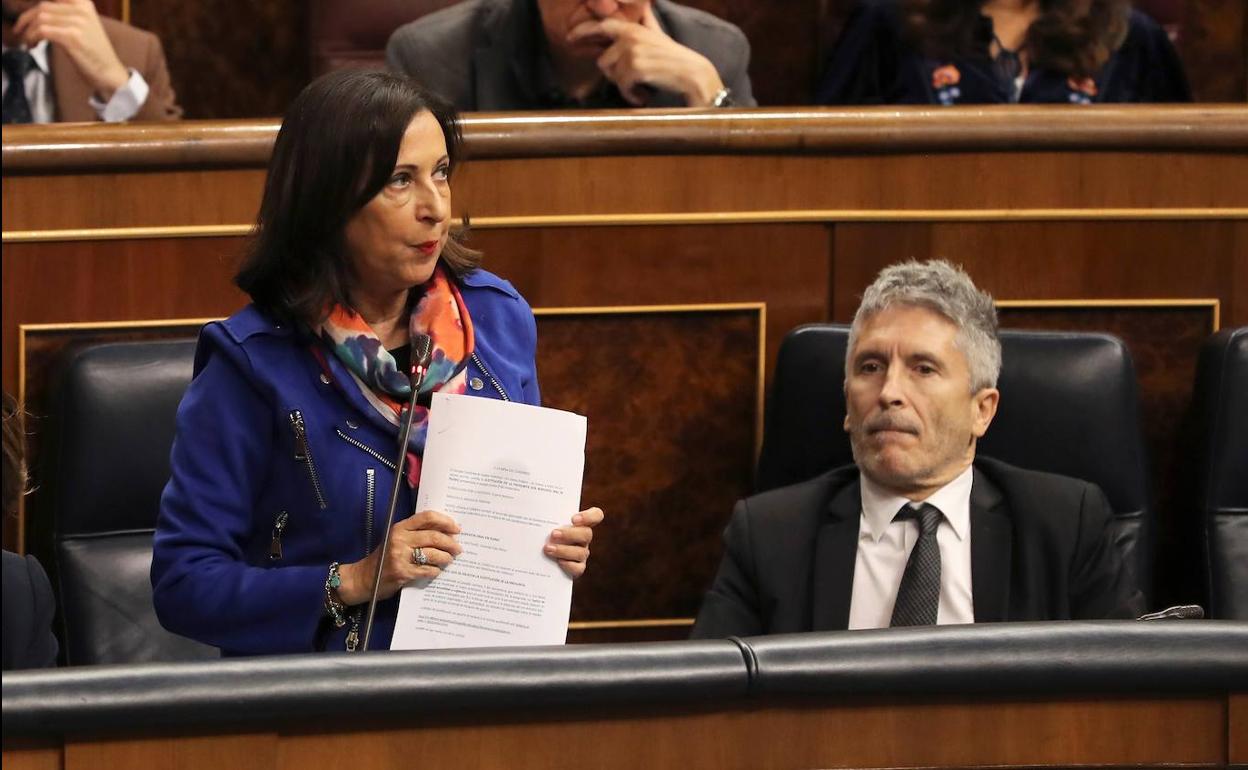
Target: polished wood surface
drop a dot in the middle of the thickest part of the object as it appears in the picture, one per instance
(230, 58)
(793, 210)
(896, 732)
(801, 131)
(1237, 729)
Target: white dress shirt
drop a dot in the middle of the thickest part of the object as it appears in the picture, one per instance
(124, 104)
(884, 547)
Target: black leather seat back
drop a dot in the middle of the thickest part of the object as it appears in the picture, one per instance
(106, 463)
(1221, 397)
(1069, 405)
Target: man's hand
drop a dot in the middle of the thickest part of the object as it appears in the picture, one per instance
(74, 25)
(642, 55)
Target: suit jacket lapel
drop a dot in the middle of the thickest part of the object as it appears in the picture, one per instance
(73, 93)
(991, 545)
(836, 550)
(506, 64)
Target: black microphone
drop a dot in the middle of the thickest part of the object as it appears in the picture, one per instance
(1179, 612)
(422, 351)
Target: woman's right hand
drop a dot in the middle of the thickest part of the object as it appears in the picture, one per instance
(432, 532)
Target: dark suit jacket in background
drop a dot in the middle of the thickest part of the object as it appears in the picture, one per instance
(482, 54)
(1041, 549)
(28, 608)
(138, 50)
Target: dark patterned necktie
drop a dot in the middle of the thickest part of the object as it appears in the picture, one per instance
(1009, 66)
(17, 62)
(919, 594)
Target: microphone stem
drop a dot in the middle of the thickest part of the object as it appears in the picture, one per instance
(418, 378)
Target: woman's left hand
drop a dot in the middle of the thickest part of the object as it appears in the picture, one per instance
(569, 546)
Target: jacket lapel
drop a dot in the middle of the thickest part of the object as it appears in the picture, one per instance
(836, 550)
(72, 92)
(504, 68)
(991, 545)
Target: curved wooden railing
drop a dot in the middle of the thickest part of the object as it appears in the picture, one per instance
(883, 130)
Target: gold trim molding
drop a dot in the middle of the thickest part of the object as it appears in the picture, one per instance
(1212, 303)
(797, 216)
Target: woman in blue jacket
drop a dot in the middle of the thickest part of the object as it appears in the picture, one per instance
(268, 533)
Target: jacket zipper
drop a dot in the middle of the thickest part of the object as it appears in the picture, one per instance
(303, 453)
(275, 546)
(476, 360)
(366, 448)
(370, 499)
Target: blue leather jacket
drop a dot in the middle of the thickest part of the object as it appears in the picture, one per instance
(279, 469)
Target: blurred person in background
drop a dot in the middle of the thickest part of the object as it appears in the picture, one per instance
(63, 62)
(1001, 51)
(28, 604)
(567, 54)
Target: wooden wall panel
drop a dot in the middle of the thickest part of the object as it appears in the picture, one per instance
(844, 187)
(776, 734)
(182, 198)
(673, 264)
(714, 187)
(673, 401)
(231, 58)
(1214, 48)
(784, 45)
(1058, 260)
(132, 280)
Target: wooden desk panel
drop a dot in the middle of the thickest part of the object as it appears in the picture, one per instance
(895, 732)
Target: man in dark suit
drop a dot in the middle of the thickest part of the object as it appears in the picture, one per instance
(558, 54)
(919, 531)
(63, 62)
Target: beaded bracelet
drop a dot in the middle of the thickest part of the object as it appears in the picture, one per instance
(336, 609)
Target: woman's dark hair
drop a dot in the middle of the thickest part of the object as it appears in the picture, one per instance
(14, 456)
(1072, 37)
(336, 150)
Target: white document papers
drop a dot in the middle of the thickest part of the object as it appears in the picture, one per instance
(508, 474)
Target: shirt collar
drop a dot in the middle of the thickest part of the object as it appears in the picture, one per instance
(39, 53)
(879, 505)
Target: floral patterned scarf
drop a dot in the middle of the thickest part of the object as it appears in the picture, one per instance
(440, 313)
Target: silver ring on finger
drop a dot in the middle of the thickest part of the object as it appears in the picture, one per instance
(418, 557)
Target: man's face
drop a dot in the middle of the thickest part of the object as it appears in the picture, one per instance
(910, 413)
(560, 16)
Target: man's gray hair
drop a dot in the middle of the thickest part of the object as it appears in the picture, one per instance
(948, 290)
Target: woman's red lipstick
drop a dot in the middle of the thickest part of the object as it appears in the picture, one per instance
(428, 247)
